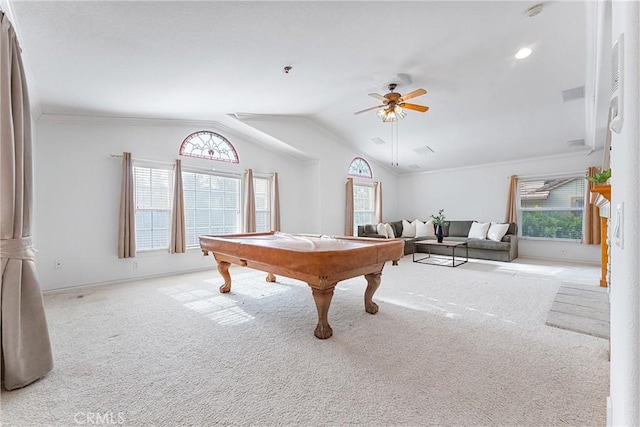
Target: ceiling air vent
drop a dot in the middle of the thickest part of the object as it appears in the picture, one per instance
(617, 86)
(573, 94)
(424, 150)
(378, 140)
(414, 166)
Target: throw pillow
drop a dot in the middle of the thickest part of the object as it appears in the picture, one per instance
(431, 230)
(390, 233)
(422, 229)
(497, 231)
(479, 230)
(381, 229)
(408, 229)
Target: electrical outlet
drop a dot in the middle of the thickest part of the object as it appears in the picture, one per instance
(135, 265)
(57, 264)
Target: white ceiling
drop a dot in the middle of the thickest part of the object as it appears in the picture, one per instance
(207, 60)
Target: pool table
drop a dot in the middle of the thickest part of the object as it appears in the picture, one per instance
(320, 261)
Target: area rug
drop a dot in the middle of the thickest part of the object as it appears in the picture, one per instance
(449, 347)
(581, 308)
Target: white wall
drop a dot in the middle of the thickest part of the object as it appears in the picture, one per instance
(333, 162)
(77, 186)
(625, 262)
(480, 193)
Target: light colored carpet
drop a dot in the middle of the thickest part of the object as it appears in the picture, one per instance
(450, 346)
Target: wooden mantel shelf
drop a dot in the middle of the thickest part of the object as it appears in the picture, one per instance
(604, 190)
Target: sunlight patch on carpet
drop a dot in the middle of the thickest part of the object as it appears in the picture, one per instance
(444, 311)
(259, 290)
(230, 316)
(220, 309)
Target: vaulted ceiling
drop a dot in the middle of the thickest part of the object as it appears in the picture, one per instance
(210, 60)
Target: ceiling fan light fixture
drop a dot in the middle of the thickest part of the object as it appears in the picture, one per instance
(391, 114)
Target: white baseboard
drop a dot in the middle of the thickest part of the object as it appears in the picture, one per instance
(130, 279)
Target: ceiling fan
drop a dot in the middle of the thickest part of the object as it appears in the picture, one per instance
(393, 104)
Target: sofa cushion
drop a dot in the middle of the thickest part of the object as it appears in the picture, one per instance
(397, 228)
(488, 244)
(459, 228)
(457, 239)
(370, 229)
(382, 230)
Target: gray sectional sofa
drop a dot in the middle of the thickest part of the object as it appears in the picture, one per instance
(504, 250)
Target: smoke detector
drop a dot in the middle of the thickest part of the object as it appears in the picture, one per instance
(534, 10)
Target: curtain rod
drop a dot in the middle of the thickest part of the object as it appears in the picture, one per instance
(164, 162)
(553, 175)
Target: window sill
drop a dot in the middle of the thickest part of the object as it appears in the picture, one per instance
(549, 239)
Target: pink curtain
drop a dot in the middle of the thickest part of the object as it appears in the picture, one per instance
(377, 200)
(348, 223)
(26, 348)
(275, 203)
(512, 200)
(178, 234)
(127, 218)
(249, 204)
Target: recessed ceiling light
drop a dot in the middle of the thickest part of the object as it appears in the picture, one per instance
(523, 53)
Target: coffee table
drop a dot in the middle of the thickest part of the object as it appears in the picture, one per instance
(446, 243)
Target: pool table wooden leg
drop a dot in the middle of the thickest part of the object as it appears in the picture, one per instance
(323, 301)
(223, 269)
(373, 282)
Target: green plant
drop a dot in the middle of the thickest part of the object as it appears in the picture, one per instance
(600, 177)
(438, 219)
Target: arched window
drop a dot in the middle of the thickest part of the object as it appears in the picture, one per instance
(360, 167)
(209, 145)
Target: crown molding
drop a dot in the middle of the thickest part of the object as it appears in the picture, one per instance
(587, 151)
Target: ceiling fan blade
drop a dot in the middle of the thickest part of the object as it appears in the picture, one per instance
(380, 97)
(413, 94)
(369, 109)
(414, 107)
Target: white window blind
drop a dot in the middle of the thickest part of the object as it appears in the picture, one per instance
(261, 189)
(153, 207)
(212, 205)
(363, 206)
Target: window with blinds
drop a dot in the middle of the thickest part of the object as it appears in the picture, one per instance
(552, 208)
(363, 206)
(153, 207)
(261, 189)
(211, 205)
